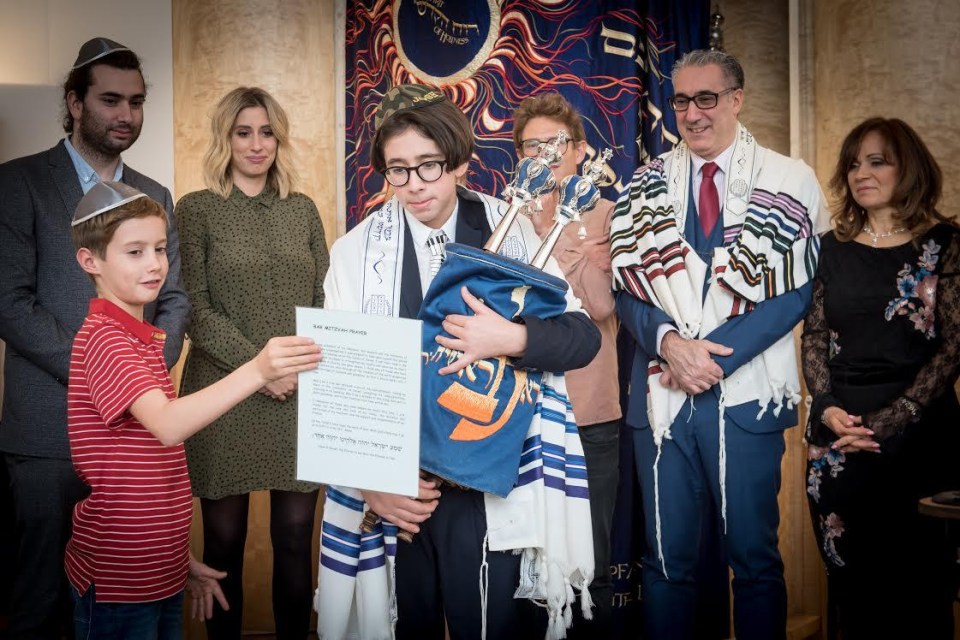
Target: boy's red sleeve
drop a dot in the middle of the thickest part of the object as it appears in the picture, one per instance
(116, 374)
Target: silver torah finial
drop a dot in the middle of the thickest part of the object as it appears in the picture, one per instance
(578, 194)
(533, 178)
(593, 171)
(550, 151)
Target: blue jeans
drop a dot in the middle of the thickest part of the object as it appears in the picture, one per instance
(160, 620)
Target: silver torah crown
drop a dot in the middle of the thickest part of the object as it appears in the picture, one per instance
(593, 169)
(578, 194)
(533, 178)
(550, 153)
(575, 204)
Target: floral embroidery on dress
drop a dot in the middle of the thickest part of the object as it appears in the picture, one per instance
(918, 292)
(834, 344)
(822, 459)
(832, 528)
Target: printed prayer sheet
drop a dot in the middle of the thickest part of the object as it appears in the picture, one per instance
(359, 411)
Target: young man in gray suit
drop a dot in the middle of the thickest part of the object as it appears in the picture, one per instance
(44, 296)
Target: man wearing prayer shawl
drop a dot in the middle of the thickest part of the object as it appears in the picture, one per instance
(714, 246)
(448, 574)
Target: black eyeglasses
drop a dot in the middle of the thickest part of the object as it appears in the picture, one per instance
(703, 100)
(530, 147)
(429, 171)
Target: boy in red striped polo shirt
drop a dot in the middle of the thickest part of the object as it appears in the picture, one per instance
(128, 558)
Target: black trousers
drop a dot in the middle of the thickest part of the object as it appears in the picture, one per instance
(44, 491)
(438, 579)
(601, 448)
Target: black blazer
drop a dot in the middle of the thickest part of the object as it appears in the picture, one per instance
(568, 341)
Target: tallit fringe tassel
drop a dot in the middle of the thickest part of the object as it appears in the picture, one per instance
(656, 494)
(557, 626)
(723, 454)
(484, 587)
(586, 602)
(568, 610)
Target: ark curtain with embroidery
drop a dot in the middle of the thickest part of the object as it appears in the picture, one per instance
(611, 59)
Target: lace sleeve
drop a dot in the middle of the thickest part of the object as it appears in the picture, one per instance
(815, 351)
(941, 372)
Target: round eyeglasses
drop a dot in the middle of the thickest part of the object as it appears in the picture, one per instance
(429, 171)
(703, 100)
(530, 147)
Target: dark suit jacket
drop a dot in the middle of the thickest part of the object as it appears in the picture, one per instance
(44, 296)
(568, 341)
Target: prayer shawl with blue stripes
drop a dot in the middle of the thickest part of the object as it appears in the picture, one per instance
(772, 212)
(546, 517)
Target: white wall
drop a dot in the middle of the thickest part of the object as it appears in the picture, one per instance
(39, 40)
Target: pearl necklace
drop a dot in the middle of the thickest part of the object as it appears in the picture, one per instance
(877, 236)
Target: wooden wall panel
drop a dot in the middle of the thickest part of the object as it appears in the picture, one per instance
(885, 58)
(283, 46)
(757, 33)
(287, 48)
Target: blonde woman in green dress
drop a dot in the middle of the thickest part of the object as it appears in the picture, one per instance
(253, 249)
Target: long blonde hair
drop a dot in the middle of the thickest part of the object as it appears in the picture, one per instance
(282, 176)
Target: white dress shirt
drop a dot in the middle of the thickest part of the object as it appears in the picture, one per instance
(420, 232)
(719, 179)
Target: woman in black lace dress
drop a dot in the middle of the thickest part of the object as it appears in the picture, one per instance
(881, 354)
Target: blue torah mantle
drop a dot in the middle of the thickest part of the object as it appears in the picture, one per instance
(473, 423)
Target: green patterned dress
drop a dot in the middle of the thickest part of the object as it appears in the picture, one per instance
(247, 262)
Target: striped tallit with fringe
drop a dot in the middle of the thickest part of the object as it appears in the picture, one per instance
(547, 515)
(546, 518)
(773, 209)
(355, 597)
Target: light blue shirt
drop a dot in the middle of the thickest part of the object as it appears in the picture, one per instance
(88, 176)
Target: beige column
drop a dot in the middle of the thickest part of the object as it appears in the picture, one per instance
(890, 59)
(287, 48)
(756, 32)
